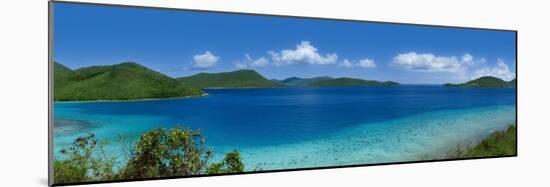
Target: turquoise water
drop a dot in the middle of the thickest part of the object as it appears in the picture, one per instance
(425, 136)
(282, 128)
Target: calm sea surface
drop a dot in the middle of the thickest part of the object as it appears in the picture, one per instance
(278, 128)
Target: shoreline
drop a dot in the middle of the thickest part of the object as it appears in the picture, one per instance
(236, 88)
(442, 153)
(133, 100)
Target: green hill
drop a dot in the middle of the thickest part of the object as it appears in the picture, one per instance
(116, 82)
(61, 75)
(351, 82)
(486, 82)
(512, 83)
(296, 81)
(234, 79)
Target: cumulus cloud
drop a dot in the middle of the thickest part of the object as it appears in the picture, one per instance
(346, 63)
(304, 53)
(462, 68)
(501, 71)
(363, 63)
(467, 58)
(427, 62)
(205, 60)
(260, 62)
(252, 63)
(366, 63)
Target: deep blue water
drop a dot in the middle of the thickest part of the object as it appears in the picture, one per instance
(244, 118)
(279, 115)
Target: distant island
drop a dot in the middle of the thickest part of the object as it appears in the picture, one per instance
(234, 79)
(351, 82)
(329, 81)
(485, 82)
(296, 81)
(123, 81)
(130, 81)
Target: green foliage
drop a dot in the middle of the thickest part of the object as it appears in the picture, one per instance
(84, 162)
(231, 164)
(497, 144)
(69, 171)
(215, 168)
(486, 82)
(130, 80)
(501, 143)
(62, 75)
(116, 82)
(234, 79)
(351, 82)
(158, 153)
(161, 153)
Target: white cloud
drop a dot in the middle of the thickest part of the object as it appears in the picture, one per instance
(366, 63)
(501, 71)
(260, 62)
(428, 62)
(467, 58)
(346, 63)
(205, 60)
(304, 52)
(363, 63)
(252, 63)
(462, 68)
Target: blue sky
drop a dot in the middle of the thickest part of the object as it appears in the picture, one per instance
(182, 43)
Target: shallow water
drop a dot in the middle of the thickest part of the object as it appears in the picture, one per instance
(281, 128)
(425, 136)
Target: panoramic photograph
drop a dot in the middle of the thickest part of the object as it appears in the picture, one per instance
(143, 93)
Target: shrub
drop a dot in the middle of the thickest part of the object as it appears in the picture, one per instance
(84, 162)
(502, 143)
(497, 144)
(158, 153)
(68, 171)
(230, 164)
(161, 153)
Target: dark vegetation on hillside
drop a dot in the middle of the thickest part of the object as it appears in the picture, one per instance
(351, 82)
(234, 79)
(486, 82)
(296, 81)
(116, 82)
(127, 81)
